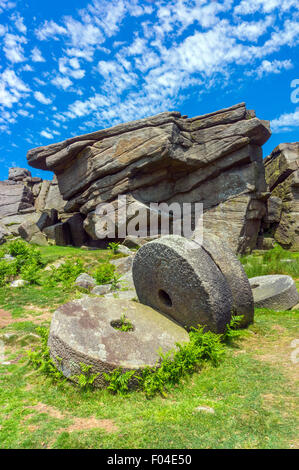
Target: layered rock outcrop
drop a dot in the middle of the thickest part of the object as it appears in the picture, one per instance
(282, 176)
(215, 159)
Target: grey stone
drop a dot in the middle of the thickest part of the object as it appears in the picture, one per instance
(81, 331)
(124, 250)
(18, 174)
(129, 294)
(47, 218)
(85, 281)
(77, 232)
(134, 242)
(3, 233)
(179, 278)
(282, 176)
(19, 283)
(235, 276)
(59, 233)
(102, 289)
(277, 292)
(14, 198)
(123, 265)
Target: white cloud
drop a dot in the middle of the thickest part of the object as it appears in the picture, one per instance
(13, 50)
(47, 134)
(275, 66)
(247, 7)
(12, 88)
(70, 67)
(42, 98)
(286, 122)
(61, 82)
(50, 30)
(36, 55)
(19, 22)
(6, 5)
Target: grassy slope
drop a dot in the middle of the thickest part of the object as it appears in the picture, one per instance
(253, 392)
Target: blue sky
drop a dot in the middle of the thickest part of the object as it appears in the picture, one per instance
(68, 68)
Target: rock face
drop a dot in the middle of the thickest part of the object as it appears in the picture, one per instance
(282, 176)
(85, 331)
(277, 292)
(215, 159)
(178, 277)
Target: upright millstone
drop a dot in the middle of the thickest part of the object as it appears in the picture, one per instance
(178, 277)
(232, 269)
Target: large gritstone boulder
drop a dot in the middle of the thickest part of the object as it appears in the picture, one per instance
(282, 176)
(277, 292)
(235, 276)
(214, 159)
(179, 278)
(88, 331)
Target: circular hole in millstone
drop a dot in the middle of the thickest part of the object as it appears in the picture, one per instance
(255, 286)
(165, 298)
(123, 324)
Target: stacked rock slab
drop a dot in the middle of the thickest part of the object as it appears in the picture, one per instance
(215, 159)
(282, 176)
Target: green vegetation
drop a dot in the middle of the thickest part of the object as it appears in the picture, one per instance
(104, 273)
(275, 261)
(253, 391)
(123, 324)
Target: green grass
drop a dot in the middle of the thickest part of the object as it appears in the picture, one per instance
(275, 261)
(253, 391)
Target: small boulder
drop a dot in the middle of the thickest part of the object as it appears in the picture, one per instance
(101, 290)
(19, 283)
(124, 250)
(85, 281)
(277, 292)
(123, 265)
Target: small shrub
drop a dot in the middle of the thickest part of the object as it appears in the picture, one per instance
(41, 360)
(8, 269)
(105, 273)
(86, 379)
(118, 380)
(113, 247)
(66, 274)
(123, 324)
(30, 273)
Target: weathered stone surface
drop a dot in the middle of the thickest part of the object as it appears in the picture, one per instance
(47, 218)
(123, 265)
(277, 292)
(3, 233)
(81, 331)
(282, 176)
(124, 250)
(85, 281)
(179, 278)
(214, 159)
(18, 174)
(101, 290)
(59, 233)
(14, 199)
(235, 276)
(77, 232)
(30, 231)
(135, 242)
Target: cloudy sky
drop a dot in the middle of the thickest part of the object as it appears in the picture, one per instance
(72, 67)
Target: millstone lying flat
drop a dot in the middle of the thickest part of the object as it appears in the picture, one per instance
(235, 275)
(277, 292)
(178, 277)
(81, 331)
